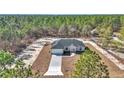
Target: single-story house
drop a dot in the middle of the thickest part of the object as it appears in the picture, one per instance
(67, 45)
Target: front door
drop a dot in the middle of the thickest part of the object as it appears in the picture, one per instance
(72, 48)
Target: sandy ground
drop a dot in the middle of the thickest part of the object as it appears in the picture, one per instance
(42, 62)
(114, 71)
(117, 57)
(68, 65)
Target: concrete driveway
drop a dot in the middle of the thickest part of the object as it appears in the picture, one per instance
(55, 66)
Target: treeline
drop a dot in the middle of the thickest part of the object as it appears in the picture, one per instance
(16, 32)
(53, 24)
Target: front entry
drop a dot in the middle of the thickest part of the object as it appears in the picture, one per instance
(72, 48)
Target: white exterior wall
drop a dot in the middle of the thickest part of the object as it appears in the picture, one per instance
(80, 47)
(73, 48)
(57, 51)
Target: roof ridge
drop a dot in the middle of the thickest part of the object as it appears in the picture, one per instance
(66, 42)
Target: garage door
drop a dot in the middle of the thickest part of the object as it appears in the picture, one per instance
(57, 51)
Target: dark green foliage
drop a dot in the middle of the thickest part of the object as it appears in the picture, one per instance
(116, 23)
(18, 71)
(5, 59)
(13, 27)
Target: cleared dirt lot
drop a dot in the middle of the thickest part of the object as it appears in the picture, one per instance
(114, 71)
(68, 65)
(42, 62)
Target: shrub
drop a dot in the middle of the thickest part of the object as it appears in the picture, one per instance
(19, 71)
(90, 66)
(6, 58)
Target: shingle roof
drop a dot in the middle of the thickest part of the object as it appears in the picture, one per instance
(59, 44)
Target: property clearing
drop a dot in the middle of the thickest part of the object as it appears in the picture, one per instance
(115, 67)
(68, 65)
(42, 62)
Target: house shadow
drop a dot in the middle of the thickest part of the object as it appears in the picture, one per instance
(69, 53)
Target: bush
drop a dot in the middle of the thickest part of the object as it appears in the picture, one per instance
(116, 44)
(90, 66)
(19, 71)
(6, 58)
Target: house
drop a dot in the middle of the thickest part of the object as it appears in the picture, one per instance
(67, 46)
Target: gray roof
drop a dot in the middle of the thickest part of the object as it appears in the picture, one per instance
(59, 44)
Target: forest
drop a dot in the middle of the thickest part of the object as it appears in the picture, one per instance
(19, 31)
(16, 32)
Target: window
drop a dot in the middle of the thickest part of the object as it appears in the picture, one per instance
(66, 48)
(80, 48)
